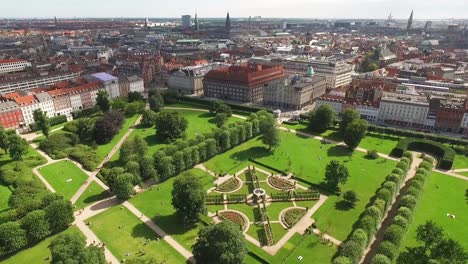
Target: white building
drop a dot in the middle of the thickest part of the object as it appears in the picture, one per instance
(368, 112)
(464, 123)
(336, 102)
(136, 84)
(13, 65)
(403, 110)
(111, 83)
(30, 103)
(189, 80)
(43, 81)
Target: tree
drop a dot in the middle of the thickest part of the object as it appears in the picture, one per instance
(355, 132)
(449, 251)
(156, 102)
(322, 119)
(188, 197)
(148, 118)
(36, 225)
(221, 243)
(349, 115)
(135, 96)
(336, 173)
(102, 100)
(59, 214)
(123, 186)
(134, 108)
(225, 140)
(217, 107)
(170, 125)
(107, 126)
(166, 168)
(12, 237)
(147, 170)
(271, 137)
(429, 233)
(42, 121)
(220, 119)
(18, 147)
(85, 128)
(119, 104)
(350, 197)
(68, 248)
(4, 139)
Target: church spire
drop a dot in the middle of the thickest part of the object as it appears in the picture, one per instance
(228, 21)
(197, 26)
(410, 22)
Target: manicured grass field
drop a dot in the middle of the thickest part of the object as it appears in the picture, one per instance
(58, 175)
(156, 204)
(103, 150)
(443, 194)
(131, 237)
(4, 196)
(463, 173)
(199, 123)
(92, 194)
(460, 162)
(39, 252)
(312, 251)
(307, 158)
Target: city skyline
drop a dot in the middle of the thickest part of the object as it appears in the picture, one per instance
(321, 9)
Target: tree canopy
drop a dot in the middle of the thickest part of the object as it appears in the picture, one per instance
(188, 197)
(355, 132)
(336, 173)
(221, 243)
(348, 116)
(67, 248)
(42, 121)
(322, 118)
(170, 125)
(102, 100)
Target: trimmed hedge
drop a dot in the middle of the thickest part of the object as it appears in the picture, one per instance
(52, 121)
(398, 229)
(445, 154)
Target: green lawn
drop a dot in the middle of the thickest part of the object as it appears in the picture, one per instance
(59, 175)
(443, 194)
(92, 194)
(463, 173)
(156, 204)
(460, 162)
(38, 253)
(103, 150)
(131, 238)
(274, 209)
(4, 196)
(312, 251)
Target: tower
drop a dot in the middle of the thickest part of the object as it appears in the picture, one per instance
(228, 21)
(410, 22)
(146, 23)
(308, 37)
(197, 26)
(55, 21)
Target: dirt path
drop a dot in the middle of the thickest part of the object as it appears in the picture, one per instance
(388, 217)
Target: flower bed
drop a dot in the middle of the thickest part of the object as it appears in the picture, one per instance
(292, 216)
(228, 186)
(234, 217)
(279, 183)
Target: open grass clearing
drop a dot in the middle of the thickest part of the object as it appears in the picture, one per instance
(92, 194)
(64, 176)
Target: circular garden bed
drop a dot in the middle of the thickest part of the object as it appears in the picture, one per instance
(280, 184)
(234, 217)
(292, 216)
(229, 186)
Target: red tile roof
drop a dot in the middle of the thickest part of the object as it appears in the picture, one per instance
(10, 61)
(25, 100)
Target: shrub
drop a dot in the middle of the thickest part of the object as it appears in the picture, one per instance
(413, 191)
(402, 165)
(394, 234)
(422, 171)
(391, 186)
(342, 260)
(380, 204)
(420, 177)
(372, 154)
(352, 250)
(398, 171)
(426, 165)
(408, 155)
(375, 213)
(368, 224)
(380, 259)
(429, 159)
(395, 179)
(408, 201)
(400, 221)
(292, 216)
(385, 195)
(360, 236)
(405, 212)
(406, 160)
(388, 249)
(415, 184)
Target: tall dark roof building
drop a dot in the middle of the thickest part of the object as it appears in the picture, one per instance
(196, 25)
(228, 22)
(410, 22)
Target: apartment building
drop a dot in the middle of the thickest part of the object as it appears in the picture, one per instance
(37, 82)
(11, 116)
(13, 65)
(403, 110)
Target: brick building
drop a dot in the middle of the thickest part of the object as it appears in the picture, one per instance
(242, 83)
(10, 115)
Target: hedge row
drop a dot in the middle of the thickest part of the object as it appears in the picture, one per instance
(52, 121)
(352, 250)
(295, 195)
(394, 235)
(445, 154)
(184, 154)
(418, 135)
(207, 101)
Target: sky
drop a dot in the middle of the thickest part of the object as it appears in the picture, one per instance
(375, 9)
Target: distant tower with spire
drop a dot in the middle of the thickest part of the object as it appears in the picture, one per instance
(410, 22)
(55, 21)
(197, 25)
(228, 22)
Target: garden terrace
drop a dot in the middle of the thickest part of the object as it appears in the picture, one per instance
(229, 185)
(280, 183)
(291, 216)
(235, 217)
